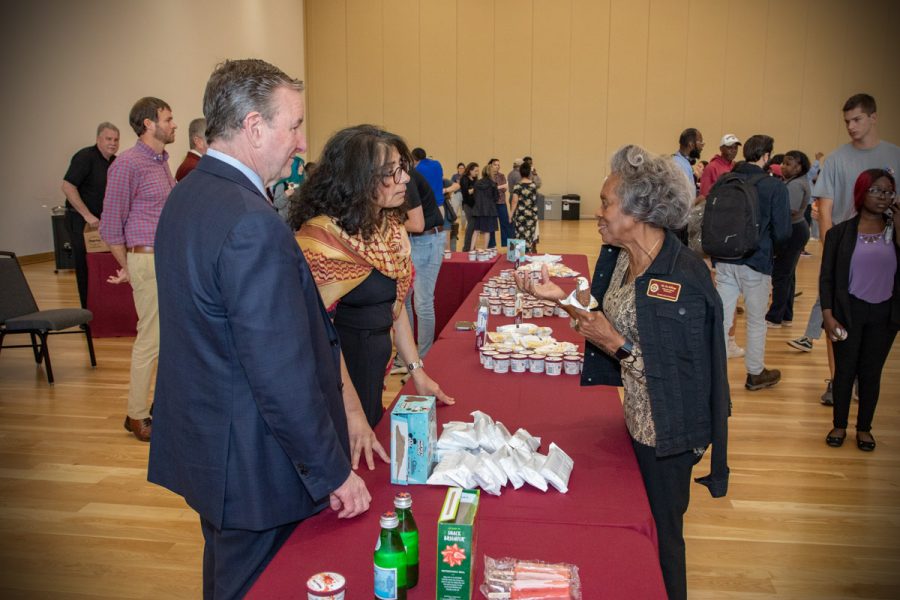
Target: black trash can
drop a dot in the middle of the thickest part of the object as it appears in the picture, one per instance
(62, 243)
(571, 207)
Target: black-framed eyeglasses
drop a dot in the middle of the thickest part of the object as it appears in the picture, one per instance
(397, 172)
(880, 193)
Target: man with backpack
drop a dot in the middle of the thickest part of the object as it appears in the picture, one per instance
(747, 216)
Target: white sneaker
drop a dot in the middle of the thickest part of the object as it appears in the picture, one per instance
(732, 350)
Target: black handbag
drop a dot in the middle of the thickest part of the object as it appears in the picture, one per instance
(449, 212)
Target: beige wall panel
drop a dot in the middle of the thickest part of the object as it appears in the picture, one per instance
(514, 30)
(880, 75)
(365, 62)
(745, 68)
(705, 97)
(326, 37)
(402, 72)
(667, 65)
(628, 41)
(588, 159)
(550, 93)
(782, 91)
(438, 69)
(475, 79)
(821, 126)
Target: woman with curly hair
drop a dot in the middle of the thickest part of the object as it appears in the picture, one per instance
(349, 221)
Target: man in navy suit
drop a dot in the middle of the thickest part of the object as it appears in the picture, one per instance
(249, 422)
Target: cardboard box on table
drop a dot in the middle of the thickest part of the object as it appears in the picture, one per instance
(456, 544)
(413, 439)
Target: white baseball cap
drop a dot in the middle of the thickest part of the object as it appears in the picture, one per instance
(729, 139)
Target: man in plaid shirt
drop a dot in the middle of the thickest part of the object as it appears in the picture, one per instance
(137, 185)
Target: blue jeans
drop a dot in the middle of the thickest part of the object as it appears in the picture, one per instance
(506, 230)
(736, 280)
(427, 255)
(814, 325)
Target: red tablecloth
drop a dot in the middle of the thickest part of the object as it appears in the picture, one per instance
(112, 304)
(468, 308)
(603, 524)
(457, 277)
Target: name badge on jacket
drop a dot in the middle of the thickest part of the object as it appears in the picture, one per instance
(664, 290)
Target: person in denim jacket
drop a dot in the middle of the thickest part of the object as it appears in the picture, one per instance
(657, 331)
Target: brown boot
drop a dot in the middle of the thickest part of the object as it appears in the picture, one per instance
(141, 428)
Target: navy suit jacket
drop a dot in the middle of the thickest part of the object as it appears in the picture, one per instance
(249, 424)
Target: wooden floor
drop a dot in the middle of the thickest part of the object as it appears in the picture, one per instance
(802, 520)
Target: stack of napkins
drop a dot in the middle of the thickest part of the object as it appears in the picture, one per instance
(484, 454)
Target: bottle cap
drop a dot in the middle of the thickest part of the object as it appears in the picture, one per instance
(389, 520)
(402, 500)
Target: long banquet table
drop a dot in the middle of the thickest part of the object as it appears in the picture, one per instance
(603, 524)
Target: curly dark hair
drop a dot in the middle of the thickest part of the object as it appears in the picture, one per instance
(344, 184)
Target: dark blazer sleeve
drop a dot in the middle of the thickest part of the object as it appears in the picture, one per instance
(828, 270)
(269, 294)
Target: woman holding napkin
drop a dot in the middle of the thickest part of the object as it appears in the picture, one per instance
(349, 218)
(657, 331)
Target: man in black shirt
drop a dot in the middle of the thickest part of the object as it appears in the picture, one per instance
(84, 186)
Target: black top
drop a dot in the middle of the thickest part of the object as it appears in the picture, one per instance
(87, 172)
(368, 305)
(467, 187)
(419, 193)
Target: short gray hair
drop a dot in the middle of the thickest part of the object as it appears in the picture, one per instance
(652, 189)
(106, 125)
(196, 129)
(237, 88)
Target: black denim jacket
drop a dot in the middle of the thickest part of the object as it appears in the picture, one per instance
(683, 346)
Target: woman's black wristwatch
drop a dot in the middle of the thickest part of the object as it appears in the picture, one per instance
(626, 350)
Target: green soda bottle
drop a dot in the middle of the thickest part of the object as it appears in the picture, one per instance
(390, 561)
(409, 533)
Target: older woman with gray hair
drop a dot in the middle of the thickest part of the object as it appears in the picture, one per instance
(657, 331)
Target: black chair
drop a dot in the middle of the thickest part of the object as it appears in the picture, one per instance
(19, 314)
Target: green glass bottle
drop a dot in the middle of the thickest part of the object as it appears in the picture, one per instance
(390, 561)
(409, 533)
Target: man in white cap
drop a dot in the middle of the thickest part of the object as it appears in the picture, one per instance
(720, 164)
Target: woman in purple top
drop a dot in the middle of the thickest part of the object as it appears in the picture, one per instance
(859, 285)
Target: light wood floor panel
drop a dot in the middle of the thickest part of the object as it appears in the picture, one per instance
(79, 521)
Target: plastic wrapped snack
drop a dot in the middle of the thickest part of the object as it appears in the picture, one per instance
(509, 461)
(557, 468)
(458, 435)
(485, 474)
(531, 471)
(514, 579)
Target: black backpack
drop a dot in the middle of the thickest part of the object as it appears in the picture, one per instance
(730, 228)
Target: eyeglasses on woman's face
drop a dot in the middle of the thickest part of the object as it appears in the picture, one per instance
(877, 192)
(397, 172)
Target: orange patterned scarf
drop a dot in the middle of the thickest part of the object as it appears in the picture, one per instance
(340, 261)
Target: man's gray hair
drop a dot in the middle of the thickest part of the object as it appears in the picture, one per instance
(196, 129)
(237, 88)
(652, 189)
(106, 125)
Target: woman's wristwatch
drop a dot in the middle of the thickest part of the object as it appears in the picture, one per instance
(415, 365)
(626, 350)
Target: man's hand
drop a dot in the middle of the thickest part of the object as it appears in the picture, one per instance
(426, 386)
(363, 441)
(351, 499)
(91, 220)
(121, 276)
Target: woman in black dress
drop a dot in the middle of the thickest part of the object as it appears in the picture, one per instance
(349, 218)
(485, 209)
